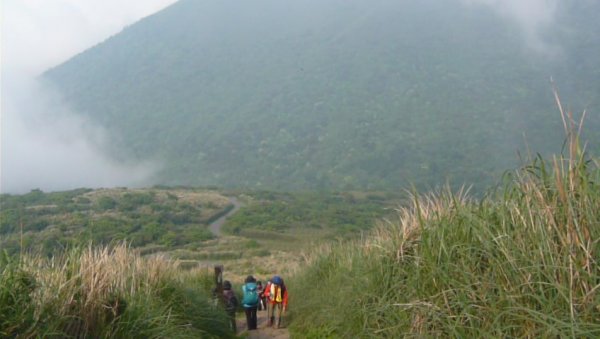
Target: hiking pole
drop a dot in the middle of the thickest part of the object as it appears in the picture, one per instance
(282, 316)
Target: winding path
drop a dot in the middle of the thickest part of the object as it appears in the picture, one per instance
(215, 226)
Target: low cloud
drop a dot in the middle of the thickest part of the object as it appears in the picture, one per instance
(44, 144)
(533, 17)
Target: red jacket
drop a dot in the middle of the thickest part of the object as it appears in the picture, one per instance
(284, 294)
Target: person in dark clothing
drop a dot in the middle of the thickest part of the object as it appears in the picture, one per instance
(264, 296)
(260, 289)
(250, 301)
(231, 303)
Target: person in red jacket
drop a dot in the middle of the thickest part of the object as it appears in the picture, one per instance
(277, 300)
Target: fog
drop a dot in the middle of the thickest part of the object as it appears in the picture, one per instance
(47, 146)
(44, 144)
(533, 17)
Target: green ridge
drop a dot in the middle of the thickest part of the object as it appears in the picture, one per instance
(333, 94)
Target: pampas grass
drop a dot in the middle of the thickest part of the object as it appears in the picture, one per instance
(105, 292)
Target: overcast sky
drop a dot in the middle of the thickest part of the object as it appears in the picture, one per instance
(43, 144)
(38, 34)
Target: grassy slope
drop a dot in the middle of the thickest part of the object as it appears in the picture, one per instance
(270, 232)
(105, 292)
(114, 291)
(523, 262)
(263, 238)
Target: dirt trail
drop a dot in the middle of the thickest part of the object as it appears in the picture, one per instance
(262, 331)
(215, 226)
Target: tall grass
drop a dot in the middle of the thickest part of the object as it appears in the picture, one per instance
(524, 261)
(104, 292)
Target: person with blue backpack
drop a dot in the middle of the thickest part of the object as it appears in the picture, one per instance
(250, 301)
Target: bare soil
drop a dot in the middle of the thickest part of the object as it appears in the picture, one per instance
(262, 331)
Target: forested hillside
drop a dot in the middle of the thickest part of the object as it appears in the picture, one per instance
(334, 94)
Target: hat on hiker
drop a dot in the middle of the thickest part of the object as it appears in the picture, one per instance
(277, 280)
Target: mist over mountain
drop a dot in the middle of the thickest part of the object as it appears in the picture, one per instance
(337, 94)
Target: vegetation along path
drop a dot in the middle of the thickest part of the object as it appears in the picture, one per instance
(215, 226)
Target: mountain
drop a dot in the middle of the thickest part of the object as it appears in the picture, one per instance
(335, 94)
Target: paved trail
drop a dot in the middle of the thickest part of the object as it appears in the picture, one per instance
(263, 330)
(215, 227)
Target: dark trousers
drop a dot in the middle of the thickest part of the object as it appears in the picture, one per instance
(232, 324)
(251, 317)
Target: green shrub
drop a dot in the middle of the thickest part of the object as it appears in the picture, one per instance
(106, 203)
(16, 309)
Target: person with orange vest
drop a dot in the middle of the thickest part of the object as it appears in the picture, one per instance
(277, 300)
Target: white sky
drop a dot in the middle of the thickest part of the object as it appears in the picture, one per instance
(43, 144)
(38, 34)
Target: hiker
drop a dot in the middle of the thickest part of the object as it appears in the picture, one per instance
(215, 297)
(264, 296)
(277, 300)
(231, 303)
(260, 290)
(250, 301)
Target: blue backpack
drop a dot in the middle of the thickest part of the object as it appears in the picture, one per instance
(250, 295)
